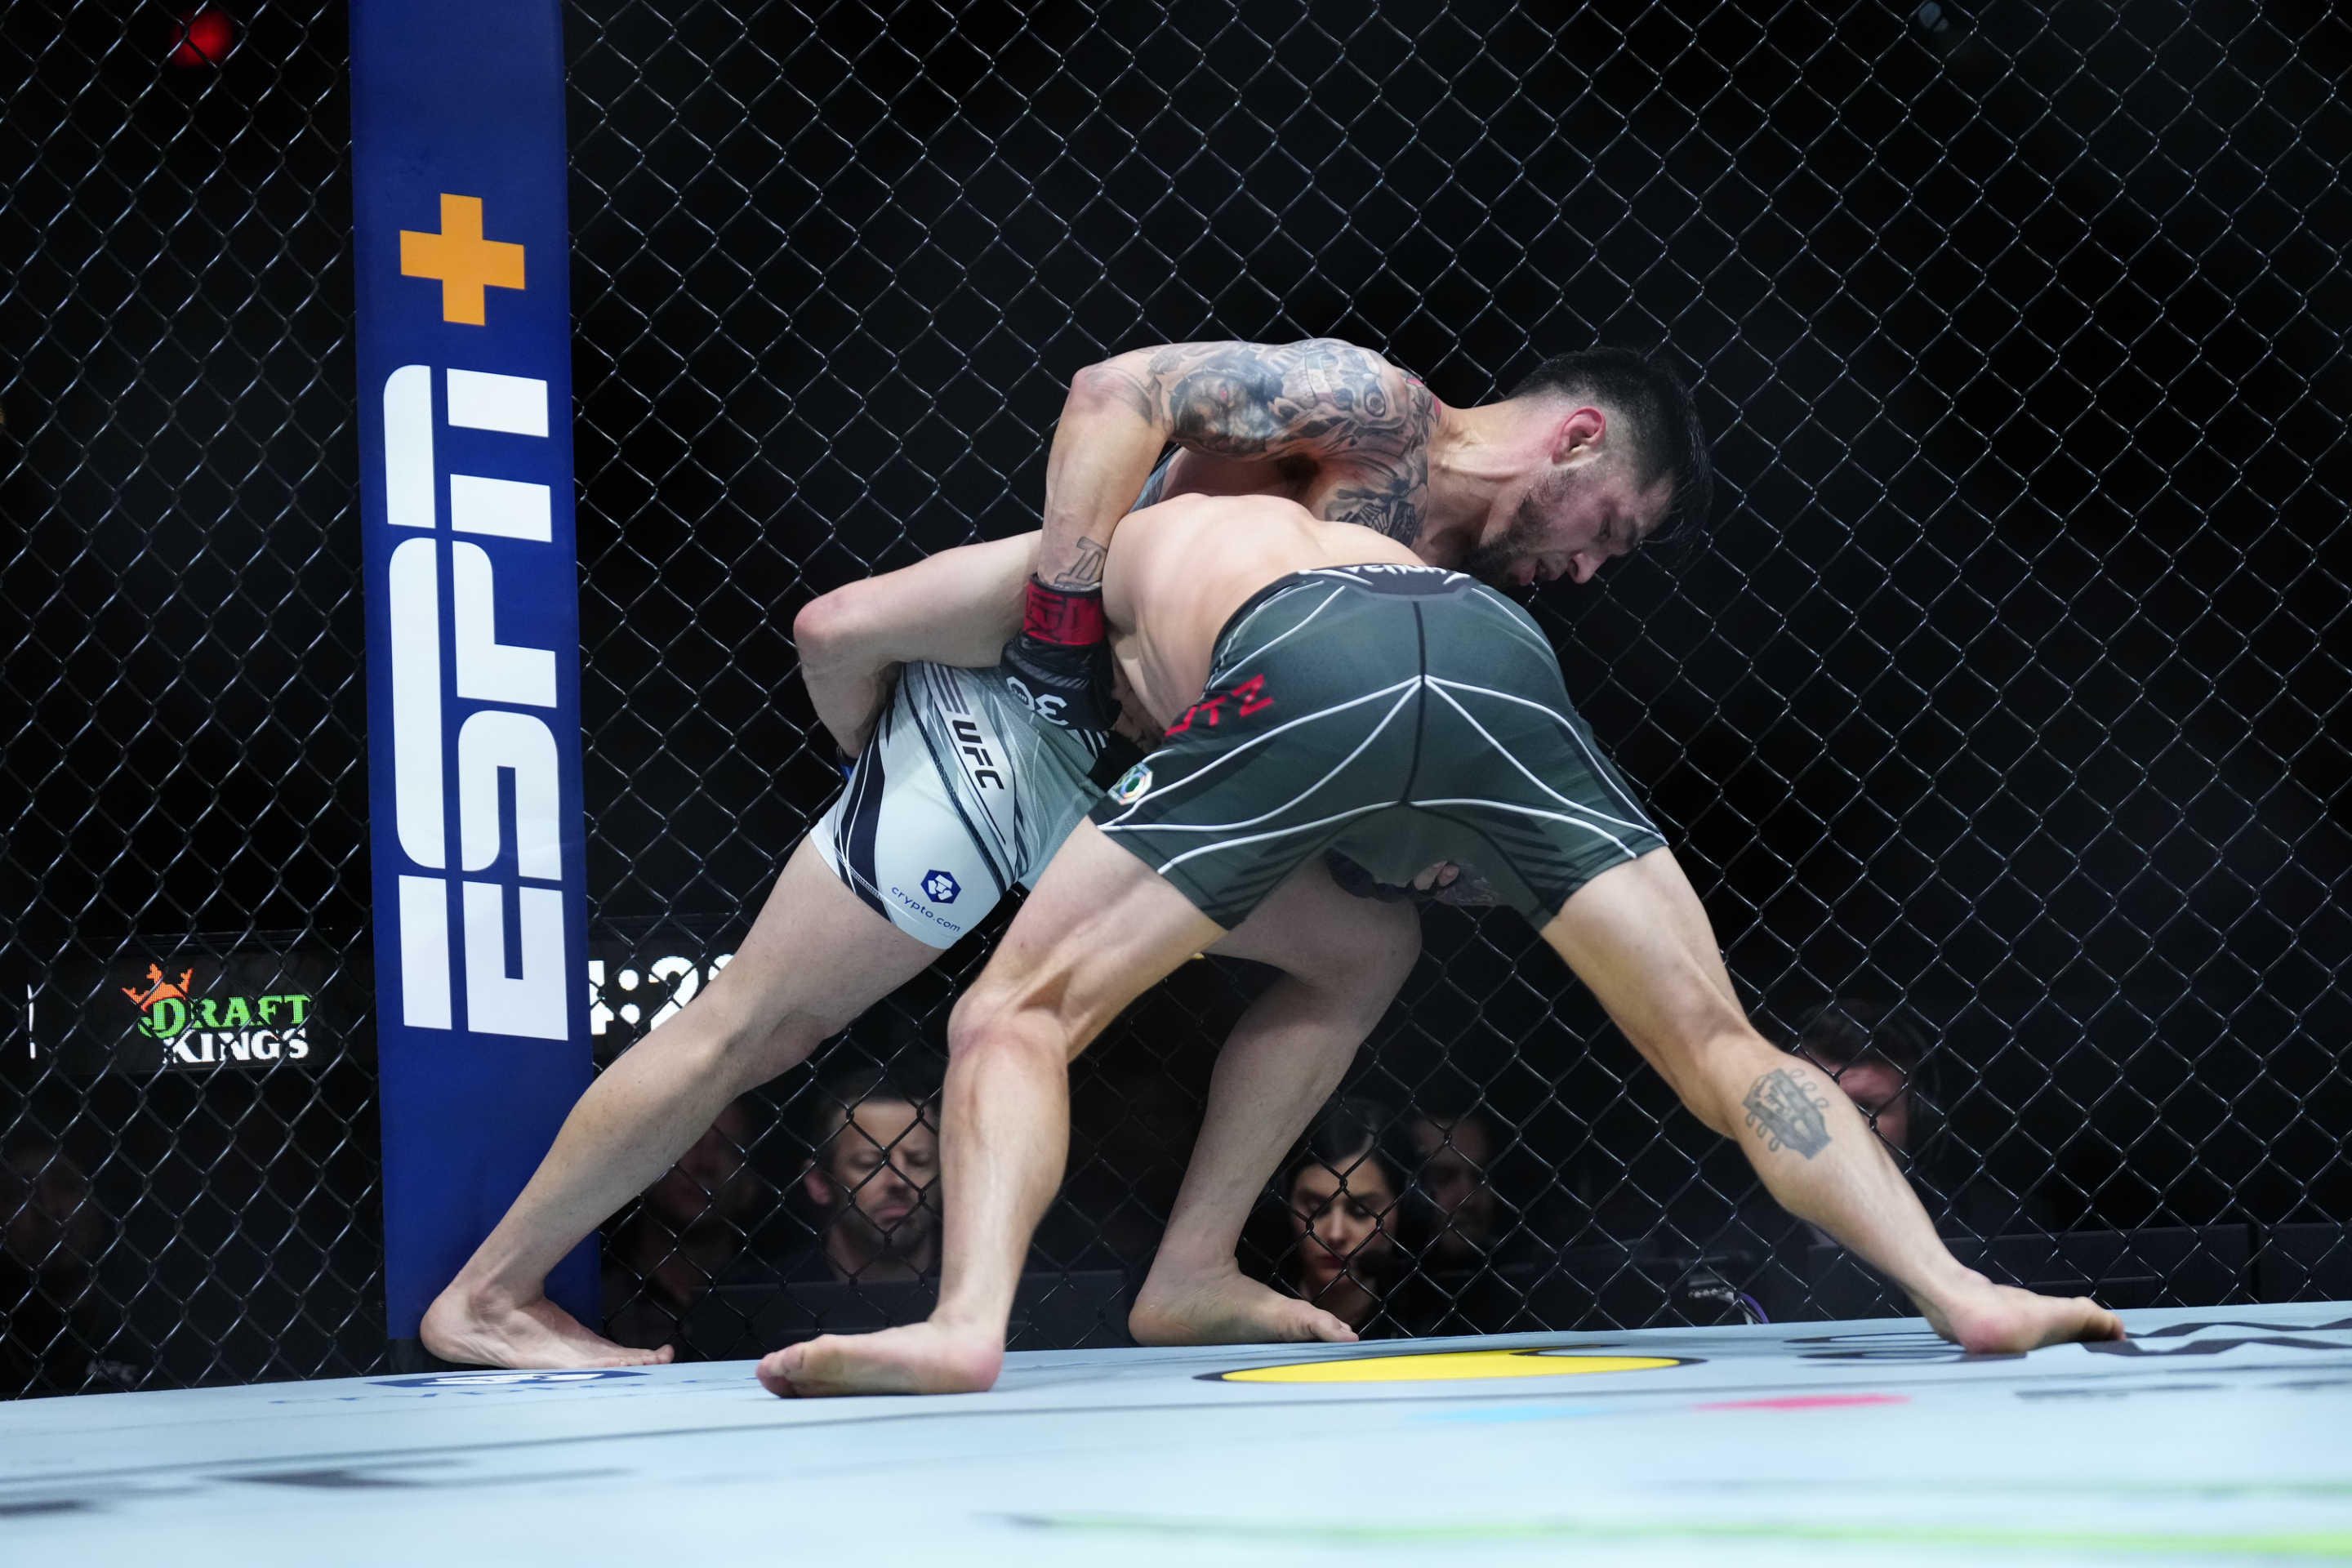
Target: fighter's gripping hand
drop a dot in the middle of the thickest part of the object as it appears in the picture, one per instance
(1059, 668)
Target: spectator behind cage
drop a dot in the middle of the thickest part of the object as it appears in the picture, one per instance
(1457, 1161)
(685, 1231)
(1481, 1268)
(1343, 1189)
(1881, 1056)
(873, 1177)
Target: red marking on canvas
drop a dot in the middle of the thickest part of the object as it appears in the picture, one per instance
(1810, 1402)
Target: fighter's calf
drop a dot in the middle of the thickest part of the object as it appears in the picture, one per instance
(1714, 1074)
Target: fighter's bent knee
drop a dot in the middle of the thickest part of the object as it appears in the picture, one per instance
(977, 1012)
(1001, 1017)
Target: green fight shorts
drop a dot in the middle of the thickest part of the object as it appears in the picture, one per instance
(1401, 715)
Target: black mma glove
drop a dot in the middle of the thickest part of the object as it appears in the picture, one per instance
(1059, 667)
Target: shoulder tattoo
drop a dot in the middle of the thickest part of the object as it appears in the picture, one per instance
(1387, 491)
(1323, 400)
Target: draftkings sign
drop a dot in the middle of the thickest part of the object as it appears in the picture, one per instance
(190, 1011)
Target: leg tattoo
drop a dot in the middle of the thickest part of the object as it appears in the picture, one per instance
(1784, 1109)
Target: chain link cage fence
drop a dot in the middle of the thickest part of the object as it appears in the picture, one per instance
(187, 1134)
(2001, 723)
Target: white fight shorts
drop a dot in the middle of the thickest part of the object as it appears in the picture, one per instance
(961, 795)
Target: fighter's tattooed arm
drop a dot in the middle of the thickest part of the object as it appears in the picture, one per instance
(1322, 402)
(1086, 567)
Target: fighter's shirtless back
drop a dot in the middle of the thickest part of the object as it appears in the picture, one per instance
(1178, 571)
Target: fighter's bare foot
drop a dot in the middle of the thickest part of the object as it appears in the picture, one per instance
(2001, 1320)
(921, 1358)
(472, 1331)
(1227, 1308)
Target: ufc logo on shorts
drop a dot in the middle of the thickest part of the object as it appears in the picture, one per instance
(1248, 697)
(510, 924)
(975, 747)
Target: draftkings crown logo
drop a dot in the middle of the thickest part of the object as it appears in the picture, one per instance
(211, 1030)
(164, 1003)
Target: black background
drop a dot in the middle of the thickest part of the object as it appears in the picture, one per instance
(2010, 686)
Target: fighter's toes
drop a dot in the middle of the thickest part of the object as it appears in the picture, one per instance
(776, 1372)
(1326, 1327)
(1229, 1310)
(2002, 1319)
(919, 1358)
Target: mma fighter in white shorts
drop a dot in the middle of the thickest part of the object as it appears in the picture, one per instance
(969, 777)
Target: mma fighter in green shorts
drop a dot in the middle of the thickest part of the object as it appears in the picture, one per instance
(1322, 689)
(968, 777)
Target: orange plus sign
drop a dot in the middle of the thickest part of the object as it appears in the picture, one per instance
(462, 260)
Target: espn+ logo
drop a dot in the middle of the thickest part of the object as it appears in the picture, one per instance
(505, 922)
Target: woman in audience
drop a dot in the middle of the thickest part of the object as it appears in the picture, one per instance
(1342, 1189)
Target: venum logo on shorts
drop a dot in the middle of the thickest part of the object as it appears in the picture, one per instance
(1392, 569)
(1131, 784)
(1248, 697)
(941, 888)
(494, 906)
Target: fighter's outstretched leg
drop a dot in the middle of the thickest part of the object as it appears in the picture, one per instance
(1343, 960)
(1637, 935)
(813, 960)
(1097, 931)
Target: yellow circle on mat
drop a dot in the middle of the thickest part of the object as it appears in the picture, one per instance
(1444, 1365)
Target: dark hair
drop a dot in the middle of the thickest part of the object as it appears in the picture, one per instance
(1349, 1130)
(1844, 1030)
(1836, 1034)
(837, 1095)
(1665, 438)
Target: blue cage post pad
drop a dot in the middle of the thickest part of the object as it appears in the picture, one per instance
(2215, 1435)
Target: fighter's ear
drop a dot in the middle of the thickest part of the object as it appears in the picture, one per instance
(1579, 433)
(818, 1185)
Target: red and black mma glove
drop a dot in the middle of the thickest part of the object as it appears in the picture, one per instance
(1059, 667)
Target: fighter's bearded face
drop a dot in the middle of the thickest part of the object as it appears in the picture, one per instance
(884, 1165)
(1569, 521)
